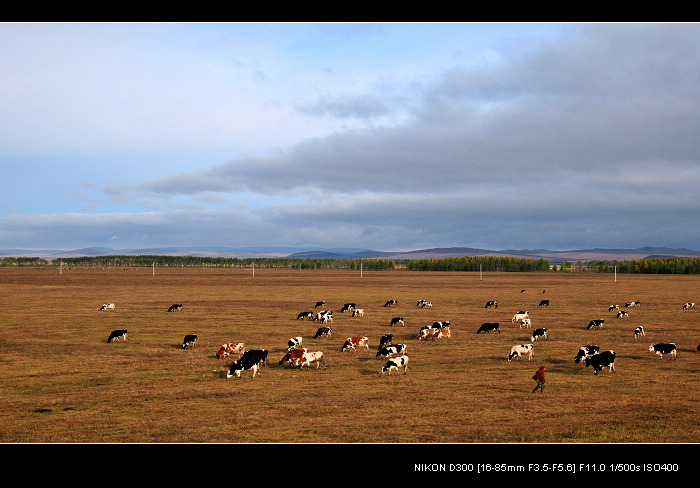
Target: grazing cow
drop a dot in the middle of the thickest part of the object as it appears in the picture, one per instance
(639, 331)
(520, 315)
(488, 327)
(445, 324)
(189, 340)
(347, 307)
(324, 316)
(542, 332)
(622, 314)
(305, 315)
(396, 321)
(293, 355)
(525, 323)
(384, 340)
(294, 343)
(230, 348)
(544, 303)
(323, 332)
(117, 335)
(175, 307)
(491, 303)
(392, 350)
(391, 303)
(426, 332)
(354, 343)
(395, 364)
(605, 359)
(442, 333)
(519, 350)
(688, 305)
(251, 360)
(358, 312)
(107, 306)
(632, 304)
(612, 308)
(595, 323)
(308, 358)
(424, 304)
(320, 304)
(586, 351)
(661, 349)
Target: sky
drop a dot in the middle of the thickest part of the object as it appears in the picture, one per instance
(385, 136)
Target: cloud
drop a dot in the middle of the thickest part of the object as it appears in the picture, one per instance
(588, 139)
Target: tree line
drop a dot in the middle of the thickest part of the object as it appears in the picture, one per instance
(655, 265)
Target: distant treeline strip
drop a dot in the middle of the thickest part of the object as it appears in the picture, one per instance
(660, 265)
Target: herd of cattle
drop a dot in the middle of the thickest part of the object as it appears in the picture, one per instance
(298, 356)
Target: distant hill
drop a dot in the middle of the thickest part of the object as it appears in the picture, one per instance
(613, 254)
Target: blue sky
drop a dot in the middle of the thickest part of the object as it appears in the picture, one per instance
(391, 136)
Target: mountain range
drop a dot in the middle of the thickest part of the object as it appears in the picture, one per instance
(619, 254)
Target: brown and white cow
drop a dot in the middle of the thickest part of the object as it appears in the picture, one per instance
(323, 332)
(308, 358)
(442, 333)
(230, 348)
(427, 332)
(293, 355)
(354, 343)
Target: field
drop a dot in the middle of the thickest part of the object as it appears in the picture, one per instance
(61, 382)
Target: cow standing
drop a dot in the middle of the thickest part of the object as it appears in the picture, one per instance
(354, 343)
(396, 321)
(488, 327)
(175, 307)
(520, 350)
(230, 348)
(664, 348)
(605, 359)
(251, 360)
(395, 364)
(189, 341)
(323, 332)
(117, 335)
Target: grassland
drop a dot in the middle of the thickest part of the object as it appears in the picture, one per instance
(61, 382)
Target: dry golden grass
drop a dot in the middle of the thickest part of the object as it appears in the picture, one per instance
(61, 382)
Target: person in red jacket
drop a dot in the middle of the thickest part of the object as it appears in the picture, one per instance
(539, 378)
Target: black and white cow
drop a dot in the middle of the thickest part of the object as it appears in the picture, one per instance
(688, 305)
(320, 304)
(323, 332)
(346, 307)
(189, 341)
(544, 303)
(520, 350)
(491, 303)
(294, 343)
(107, 306)
(324, 316)
(384, 340)
(305, 315)
(117, 335)
(488, 327)
(639, 331)
(664, 348)
(622, 314)
(251, 360)
(586, 351)
(395, 364)
(358, 312)
(396, 321)
(595, 323)
(445, 324)
(632, 304)
(390, 303)
(175, 307)
(605, 359)
(537, 333)
(392, 350)
(612, 308)
(424, 304)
